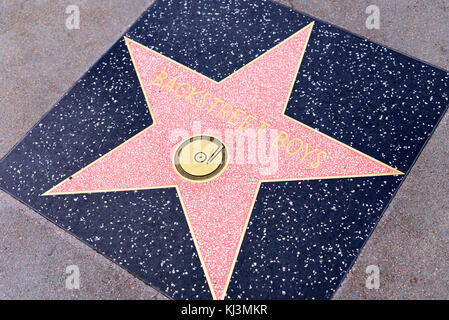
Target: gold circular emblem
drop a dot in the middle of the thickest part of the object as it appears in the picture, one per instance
(200, 158)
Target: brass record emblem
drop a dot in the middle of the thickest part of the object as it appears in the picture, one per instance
(200, 158)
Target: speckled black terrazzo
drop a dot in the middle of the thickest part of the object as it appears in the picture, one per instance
(303, 236)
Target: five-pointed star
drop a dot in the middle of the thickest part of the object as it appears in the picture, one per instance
(218, 210)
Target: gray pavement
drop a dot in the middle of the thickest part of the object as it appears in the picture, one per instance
(40, 60)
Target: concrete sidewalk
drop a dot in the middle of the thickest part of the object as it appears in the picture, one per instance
(40, 59)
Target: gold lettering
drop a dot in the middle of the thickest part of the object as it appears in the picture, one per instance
(307, 153)
(317, 164)
(179, 87)
(225, 111)
(170, 84)
(287, 148)
(280, 139)
(235, 116)
(217, 101)
(245, 122)
(264, 124)
(204, 101)
(159, 80)
(192, 93)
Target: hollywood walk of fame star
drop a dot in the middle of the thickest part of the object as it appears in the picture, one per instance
(218, 195)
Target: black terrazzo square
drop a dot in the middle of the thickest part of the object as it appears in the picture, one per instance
(302, 236)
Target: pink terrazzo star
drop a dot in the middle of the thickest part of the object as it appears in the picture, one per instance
(218, 210)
